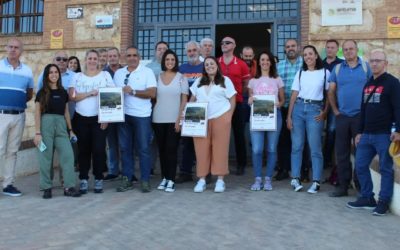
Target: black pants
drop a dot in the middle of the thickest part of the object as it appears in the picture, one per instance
(238, 124)
(168, 142)
(346, 131)
(92, 146)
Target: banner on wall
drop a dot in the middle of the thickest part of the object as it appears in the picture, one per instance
(393, 26)
(341, 12)
(56, 39)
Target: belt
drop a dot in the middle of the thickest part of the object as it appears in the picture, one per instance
(309, 101)
(11, 112)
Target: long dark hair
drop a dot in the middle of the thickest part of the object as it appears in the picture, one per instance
(218, 79)
(78, 69)
(169, 52)
(318, 63)
(272, 69)
(45, 96)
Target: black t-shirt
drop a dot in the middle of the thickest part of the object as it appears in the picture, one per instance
(57, 101)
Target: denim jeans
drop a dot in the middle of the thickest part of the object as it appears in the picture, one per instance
(303, 118)
(367, 148)
(135, 132)
(257, 142)
(113, 149)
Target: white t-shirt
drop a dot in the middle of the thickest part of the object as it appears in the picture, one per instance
(311, 84)
(168, 102)
(141, 78)
(84, 84)
(217, 97)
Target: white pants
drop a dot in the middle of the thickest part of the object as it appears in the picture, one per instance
(11, 130)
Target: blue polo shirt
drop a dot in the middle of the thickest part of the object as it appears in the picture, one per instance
(65, 79)
(349, 86)
(13, 85)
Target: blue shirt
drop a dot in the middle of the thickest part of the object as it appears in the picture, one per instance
(13, 85)
(191, 72)
(287, 71)
(65, 79)
(349, 86)
(155, 67)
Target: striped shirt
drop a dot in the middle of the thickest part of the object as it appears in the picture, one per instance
(13, 85)
(287, 71)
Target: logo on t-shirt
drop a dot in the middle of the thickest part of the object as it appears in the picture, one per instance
(376, 96)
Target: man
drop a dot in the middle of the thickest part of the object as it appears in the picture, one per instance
(102, 58)
(345, 93)
(191, 70)
(287, 70)
(155, 64)
(380, 107)
(331, 60)
(16, 89)
(113, 57)
(139, 86)
(206, 48)
(238, 72)
(247, 56)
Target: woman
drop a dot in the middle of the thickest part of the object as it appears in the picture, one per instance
(91, 135)
(53, 129)
(74, 64)
(212, 151)
(266, 82)
(306, 115)
(172, 94)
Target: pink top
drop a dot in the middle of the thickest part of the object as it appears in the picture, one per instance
(266, 86)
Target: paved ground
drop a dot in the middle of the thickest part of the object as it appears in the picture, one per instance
(236, 219)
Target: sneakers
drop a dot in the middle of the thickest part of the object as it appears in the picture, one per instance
(170, 188)
(83, 187)
(10, 190)
(381, 208)
(125, 185)
(71, 192)
(145, 186)
(98, 186)
(47, 193)
(257, 185)
(200, 186)
(295, 183)
(314, 188)
(268, 183)
(162, 184)
(362, 203)
(219, 186)
(111, 177)
(339, 192)
(184, 178)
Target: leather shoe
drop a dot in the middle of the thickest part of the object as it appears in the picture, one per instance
(281, 175)
(47, 193)
(339, 193)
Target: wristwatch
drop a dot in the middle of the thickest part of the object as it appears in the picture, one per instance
(133, 92)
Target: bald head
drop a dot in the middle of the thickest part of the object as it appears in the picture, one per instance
(378, 62)
(61, 60)
(228, 45)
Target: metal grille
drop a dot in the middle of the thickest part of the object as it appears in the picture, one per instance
(174, 10)
(285, 31)
(256, 9)
(177, 38)
(21, 16)
(145, 43)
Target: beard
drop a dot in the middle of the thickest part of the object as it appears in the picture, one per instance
(193, 59)
(249, 63)
(291, 54)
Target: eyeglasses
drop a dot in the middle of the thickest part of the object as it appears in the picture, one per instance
(127, 78)
(226, 42)
(58, 59)
(376, 60)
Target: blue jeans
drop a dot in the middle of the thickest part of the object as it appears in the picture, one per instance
(113, 149)
(257, 142)
(367, 148)
(135, 131)
(303, 118)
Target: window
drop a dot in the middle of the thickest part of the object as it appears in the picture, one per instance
(21, 16)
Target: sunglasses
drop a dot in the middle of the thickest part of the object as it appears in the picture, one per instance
(226, 42)
(127, 79)
(58, 59)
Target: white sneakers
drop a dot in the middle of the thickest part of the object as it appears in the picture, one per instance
(201, 186)
(296, 185)
(167, 186)
(162, 184)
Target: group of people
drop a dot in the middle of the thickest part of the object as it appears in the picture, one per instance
(359, 100)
